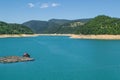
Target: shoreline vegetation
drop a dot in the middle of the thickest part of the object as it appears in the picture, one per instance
(74, 36)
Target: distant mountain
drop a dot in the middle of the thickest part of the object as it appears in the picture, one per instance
(59, 21)
(6, 28)
(37, 26)
(64, 21)
(54, 25)
(41, 26)
(83, 20)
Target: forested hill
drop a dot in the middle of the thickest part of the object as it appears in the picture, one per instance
(6, 28)
(41, 26)
(101, 25)
(55, 25)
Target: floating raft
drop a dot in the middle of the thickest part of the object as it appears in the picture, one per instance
(13, 59)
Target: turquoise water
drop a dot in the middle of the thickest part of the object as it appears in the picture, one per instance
(61, 58)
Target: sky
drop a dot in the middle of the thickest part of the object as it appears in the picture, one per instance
(19, 11)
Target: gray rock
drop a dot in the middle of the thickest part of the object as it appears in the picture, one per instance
(12, 59)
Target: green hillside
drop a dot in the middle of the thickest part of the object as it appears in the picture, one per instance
(6, 28)
(70, 27)
(101, 25)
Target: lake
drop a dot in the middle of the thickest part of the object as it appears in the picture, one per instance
(61, 58)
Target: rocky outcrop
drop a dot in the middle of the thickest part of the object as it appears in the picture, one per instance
(12, 59)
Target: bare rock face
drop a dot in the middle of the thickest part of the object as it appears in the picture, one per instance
(12, 59)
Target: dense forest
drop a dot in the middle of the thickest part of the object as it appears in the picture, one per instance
(101, 25)
(6, 28)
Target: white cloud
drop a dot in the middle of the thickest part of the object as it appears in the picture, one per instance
(31, 5)
(44, 5)
(55, 4)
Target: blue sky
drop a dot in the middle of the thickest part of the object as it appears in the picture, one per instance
(19, 11)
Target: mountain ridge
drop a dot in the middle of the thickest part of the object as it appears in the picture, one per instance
(51, 26)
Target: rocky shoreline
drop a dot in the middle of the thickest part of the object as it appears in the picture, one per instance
(13, 59)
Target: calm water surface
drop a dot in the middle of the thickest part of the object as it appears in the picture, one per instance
(61, 58)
